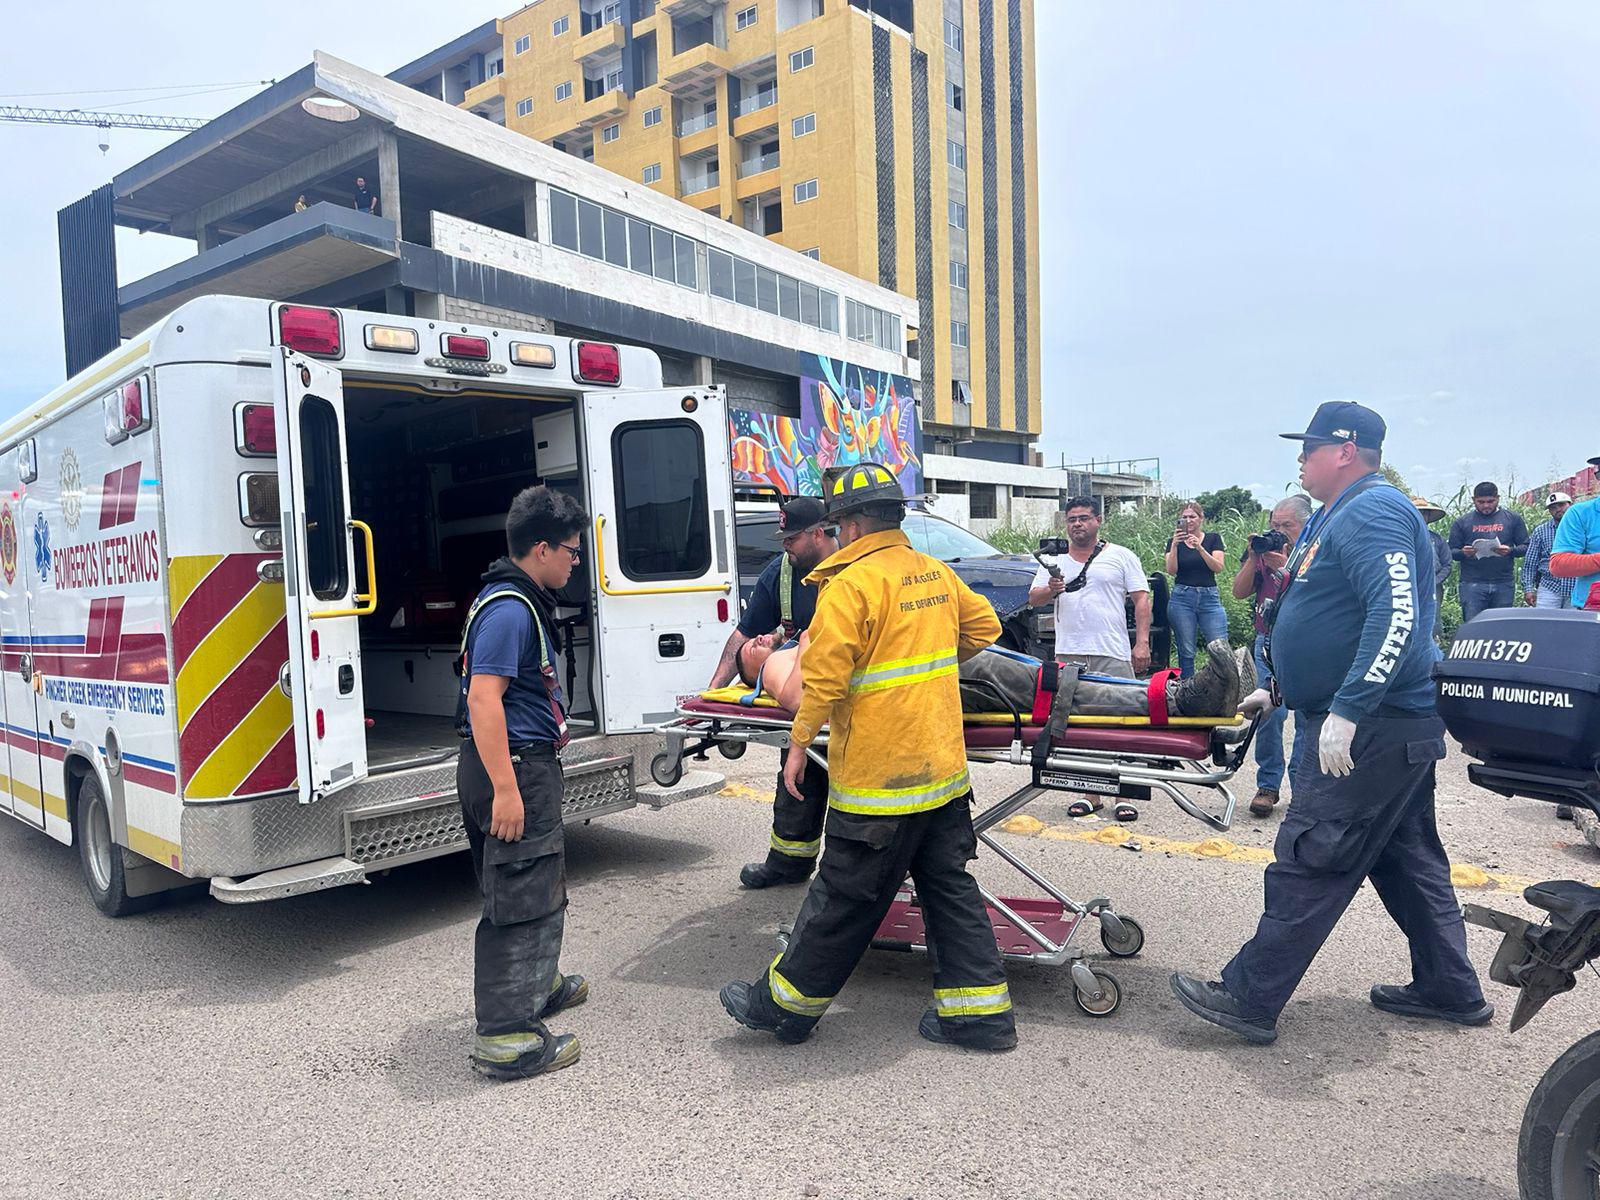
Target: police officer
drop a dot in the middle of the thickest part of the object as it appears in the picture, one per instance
(783, 599)
(509, 781)
(890, 627)
(1351, 656)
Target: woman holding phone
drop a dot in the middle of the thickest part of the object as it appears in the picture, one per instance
(1194, 556)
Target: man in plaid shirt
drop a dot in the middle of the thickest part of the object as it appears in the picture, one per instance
(1540, 588)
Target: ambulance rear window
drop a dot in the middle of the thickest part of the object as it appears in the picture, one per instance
(327, 562)
(663, 526)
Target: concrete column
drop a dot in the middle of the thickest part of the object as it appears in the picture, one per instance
(530, 213)
(704, 376)
(389, 178)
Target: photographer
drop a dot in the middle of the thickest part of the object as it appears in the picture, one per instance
(1262, 574)
(1194, 556)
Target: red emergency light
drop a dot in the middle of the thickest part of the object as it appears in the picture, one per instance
(460, 345)
(257, 434)
(310, 330)
(596, 362)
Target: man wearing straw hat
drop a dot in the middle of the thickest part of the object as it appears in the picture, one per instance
(1442, 561)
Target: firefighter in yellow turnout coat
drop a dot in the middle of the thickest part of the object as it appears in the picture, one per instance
(890, 627)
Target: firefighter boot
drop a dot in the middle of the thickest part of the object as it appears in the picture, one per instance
(537, 1051)
(1213, 691)
(569, 992)
(949, 1034)
(777, 871)
(748, 1004)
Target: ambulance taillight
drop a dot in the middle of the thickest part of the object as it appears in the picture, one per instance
(461, 345)
(127, 410)
(596, 362)
(310, 330)
(254, 433)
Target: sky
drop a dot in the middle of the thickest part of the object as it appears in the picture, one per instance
(1247, 207)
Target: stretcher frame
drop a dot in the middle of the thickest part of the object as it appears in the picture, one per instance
(1027, 929)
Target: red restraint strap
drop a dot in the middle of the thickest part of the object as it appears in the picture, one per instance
(1156, 695)
(1044, 692)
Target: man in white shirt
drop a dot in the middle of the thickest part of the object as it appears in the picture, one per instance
(1090, 595)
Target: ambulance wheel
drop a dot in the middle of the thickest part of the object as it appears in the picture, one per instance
(1104, 1004)
(666, 769)
(101, 857)
(1131, 941)
(732, 750)
(1558, 1151)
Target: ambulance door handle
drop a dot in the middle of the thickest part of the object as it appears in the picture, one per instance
(25, 667)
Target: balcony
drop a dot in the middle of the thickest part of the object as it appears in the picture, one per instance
(755, 113)
(680, 9)
(694, 125)
(603, 107)
(598, 43)
(758, 165)
(485, 92)
(694, 68)
(694, 185)
(756, 102)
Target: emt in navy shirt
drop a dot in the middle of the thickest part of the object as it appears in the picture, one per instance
(782, 599)
(1352, 656)
(509, 781)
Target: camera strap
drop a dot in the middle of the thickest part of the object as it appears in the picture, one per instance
(1081, 580)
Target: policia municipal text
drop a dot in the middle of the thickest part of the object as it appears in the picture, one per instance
(890, 628)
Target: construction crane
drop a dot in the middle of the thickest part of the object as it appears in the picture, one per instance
(103, 121)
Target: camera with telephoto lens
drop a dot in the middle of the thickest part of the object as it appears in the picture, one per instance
(1270, 542)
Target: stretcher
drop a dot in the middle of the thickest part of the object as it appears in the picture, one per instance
(1124, 757)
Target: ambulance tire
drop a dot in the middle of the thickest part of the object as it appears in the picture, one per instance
(101, 857)
(1559, 1146)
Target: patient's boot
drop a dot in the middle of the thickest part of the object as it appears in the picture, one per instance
(1214, 690)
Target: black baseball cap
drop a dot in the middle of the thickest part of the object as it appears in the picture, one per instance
(1343, 421)
(799, 514)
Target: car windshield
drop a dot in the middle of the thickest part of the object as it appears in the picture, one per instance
(938, 538)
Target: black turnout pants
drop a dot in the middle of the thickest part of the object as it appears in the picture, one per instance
(1376, 823)
(524, 884)
(797, 824)
(863, 864)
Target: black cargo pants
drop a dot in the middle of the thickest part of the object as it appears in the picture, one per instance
(524, 883)
(1375, 823)
(863, 864)
(797, 824)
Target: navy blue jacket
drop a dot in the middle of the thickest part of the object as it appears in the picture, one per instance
(1353, 630)
(764, 612)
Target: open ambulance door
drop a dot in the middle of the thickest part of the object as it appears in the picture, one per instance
(319, 576)
(662, 537)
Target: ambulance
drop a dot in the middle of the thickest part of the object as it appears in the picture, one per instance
(235, 560)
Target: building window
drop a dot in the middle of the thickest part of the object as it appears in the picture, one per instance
(495, 66)
(952, 94)
(524, 106)
(958, 275)
(958, 334)
(652, 173)
(612, 81)
(958, 215)
(652, 116)
(611, 133)
(805, 191)
(524, 43)
(981, 501)
(558, 26)
(952, 36)
(746, 18)
(804, 125)
(563, 91)
(956, 154)
(801, 59)
(814, 254)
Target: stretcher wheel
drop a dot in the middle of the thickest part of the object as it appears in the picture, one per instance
(1106, 1003)
(1131, 941)
(666, 769)
(732, 750)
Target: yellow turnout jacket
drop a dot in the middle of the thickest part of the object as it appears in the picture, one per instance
(891, 625)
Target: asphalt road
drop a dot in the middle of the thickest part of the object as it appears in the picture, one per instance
(318, 1046)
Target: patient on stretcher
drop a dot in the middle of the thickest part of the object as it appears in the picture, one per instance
(997, 680)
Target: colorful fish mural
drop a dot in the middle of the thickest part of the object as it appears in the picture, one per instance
(848, 414)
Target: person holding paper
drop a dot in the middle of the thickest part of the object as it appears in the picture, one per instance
(1485, 541)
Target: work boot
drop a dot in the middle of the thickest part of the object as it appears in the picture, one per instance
(1214, 690)
(1404, 1001)
(507, 1056)
(1213, 1002)
(786, 870)
(972, 1039)
(742, 1000)
(1264, 801)
(569, 992)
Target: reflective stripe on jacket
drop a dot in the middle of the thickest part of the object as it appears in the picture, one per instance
(891, 626)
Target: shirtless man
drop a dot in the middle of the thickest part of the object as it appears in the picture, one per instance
(1213, 691)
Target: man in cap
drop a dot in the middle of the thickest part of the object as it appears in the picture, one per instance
(1484, 541)
(1575, 552)
(783, 600)
(1442, 562)
(1349, 658)
(1541, 589)
(890, 628)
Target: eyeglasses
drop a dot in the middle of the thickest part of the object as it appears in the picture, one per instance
(572, 551)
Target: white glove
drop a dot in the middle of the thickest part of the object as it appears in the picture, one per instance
(1333, 747)
(1257, 702)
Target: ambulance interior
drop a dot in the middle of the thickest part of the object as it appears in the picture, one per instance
(433, 475)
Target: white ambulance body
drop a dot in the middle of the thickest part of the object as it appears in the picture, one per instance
(235, 558)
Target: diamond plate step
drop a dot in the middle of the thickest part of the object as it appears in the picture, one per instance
(693, 784)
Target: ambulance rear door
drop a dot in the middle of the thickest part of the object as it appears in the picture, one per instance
(322, 582)
(661, 498)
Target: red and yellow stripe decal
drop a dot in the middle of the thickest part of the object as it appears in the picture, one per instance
(229, 640)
